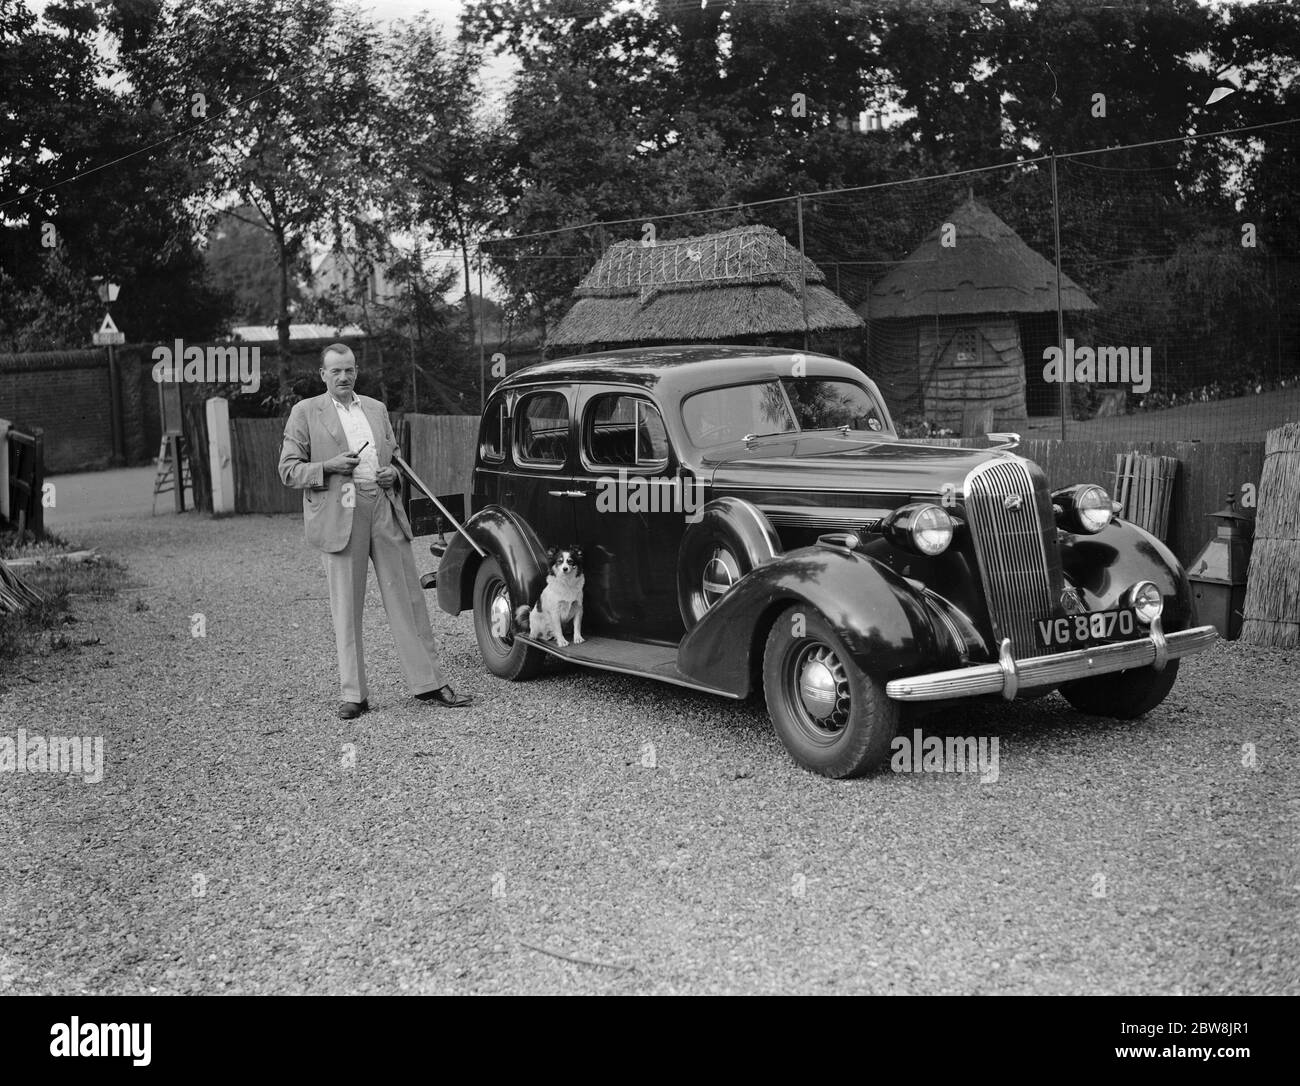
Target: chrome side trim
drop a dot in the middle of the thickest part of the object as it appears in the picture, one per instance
(1040, 671)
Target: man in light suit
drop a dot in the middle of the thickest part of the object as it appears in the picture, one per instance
(338, 449)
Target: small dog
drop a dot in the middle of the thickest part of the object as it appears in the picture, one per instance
(561, 600)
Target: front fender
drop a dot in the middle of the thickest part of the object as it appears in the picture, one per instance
(509, 540)
(1102, 566)
(880, 618)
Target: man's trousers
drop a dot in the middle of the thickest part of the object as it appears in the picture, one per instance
(376, 537)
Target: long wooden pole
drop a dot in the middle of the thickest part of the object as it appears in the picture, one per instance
(410, 472)
(803, 274)
(482, 336)
(1066, 364)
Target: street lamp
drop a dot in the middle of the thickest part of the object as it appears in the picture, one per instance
(108, 293)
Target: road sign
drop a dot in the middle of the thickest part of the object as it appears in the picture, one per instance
(108, 333)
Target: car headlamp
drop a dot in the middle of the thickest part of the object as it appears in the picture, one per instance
(920, 527)
(1085, 508)
(1145, 599)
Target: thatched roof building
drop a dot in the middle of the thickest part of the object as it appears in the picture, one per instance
(985, 269)
(963, 320)
(714, 288)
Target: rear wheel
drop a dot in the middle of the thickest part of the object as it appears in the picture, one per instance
(1124, 695)
(832, 718)
(504, 656)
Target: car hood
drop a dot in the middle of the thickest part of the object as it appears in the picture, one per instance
(845, 463)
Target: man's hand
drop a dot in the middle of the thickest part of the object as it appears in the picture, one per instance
(341, 464)
(386, 477)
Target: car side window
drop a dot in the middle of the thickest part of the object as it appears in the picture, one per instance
(492, 441)
(624, 431)
(651, 436)
(542, 434)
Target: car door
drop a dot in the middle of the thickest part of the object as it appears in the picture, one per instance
(540, 486)
(631, 518)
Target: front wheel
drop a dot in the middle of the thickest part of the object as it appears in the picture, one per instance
(832, 718)
(1125, 695)
(504, 656)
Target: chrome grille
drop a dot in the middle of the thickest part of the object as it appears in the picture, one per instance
(1011, 551)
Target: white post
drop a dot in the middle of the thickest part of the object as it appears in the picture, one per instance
(221, 469)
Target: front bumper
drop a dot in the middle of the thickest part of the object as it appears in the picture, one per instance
(1008, 675)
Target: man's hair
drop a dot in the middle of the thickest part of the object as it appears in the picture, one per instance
(336, 348)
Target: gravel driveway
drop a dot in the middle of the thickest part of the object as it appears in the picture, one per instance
(588, 832)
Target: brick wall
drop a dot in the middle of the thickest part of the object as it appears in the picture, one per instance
(67, 394)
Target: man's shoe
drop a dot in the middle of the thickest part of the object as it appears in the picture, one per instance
(350, 710)
(445, 695)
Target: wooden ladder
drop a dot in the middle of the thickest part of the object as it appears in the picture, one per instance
(172, 464)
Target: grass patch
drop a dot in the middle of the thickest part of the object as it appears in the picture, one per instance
(42, 628)
(12, 547)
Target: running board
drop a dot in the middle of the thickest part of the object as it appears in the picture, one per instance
(658, 662)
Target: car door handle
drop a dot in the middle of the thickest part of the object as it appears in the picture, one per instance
(567, 493)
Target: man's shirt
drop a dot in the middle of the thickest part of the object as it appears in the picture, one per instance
(357, 429)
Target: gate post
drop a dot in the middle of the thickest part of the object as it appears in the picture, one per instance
(219, 456)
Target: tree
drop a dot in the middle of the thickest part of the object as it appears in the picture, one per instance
(627, 112)
(74, 204)
(1077, 76)
(1259, 45)
(242, 260)
(440, 152)
(646, 111)
(288, 91)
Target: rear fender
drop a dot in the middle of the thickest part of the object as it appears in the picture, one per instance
(881, 619)
(505, 537)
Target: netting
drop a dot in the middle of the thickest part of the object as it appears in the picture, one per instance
(1191, 287)
(956, 297)
(1171, 316)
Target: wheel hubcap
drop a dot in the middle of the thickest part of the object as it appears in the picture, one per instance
(499, 614)
(823, 688)
(720, 573)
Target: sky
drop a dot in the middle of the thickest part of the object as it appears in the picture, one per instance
(496, 72)
(445, 11)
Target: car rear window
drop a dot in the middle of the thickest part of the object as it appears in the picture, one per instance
(543, 430)
(625, 431)
(493, 440)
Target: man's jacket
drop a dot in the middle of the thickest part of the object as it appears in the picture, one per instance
(312, 435)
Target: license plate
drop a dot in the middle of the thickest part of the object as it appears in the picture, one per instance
(1093, 628)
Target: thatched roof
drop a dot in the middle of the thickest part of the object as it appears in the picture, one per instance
(710, 288)
(988, 270)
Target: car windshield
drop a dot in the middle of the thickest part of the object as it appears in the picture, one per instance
(789, 405)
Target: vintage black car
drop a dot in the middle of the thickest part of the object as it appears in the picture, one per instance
(751, 522)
